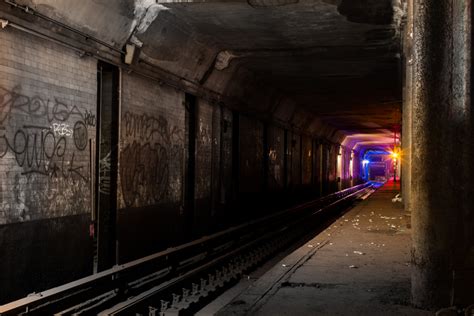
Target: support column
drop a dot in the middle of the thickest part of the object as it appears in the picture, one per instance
(441, 164)
(405, 163)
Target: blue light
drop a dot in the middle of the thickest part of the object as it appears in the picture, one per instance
(365, 162)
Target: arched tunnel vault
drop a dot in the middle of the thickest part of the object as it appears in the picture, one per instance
(329, 68)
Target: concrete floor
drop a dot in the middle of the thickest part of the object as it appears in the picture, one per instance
(360, 265)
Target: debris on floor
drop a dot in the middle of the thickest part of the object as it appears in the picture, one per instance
(397, 198)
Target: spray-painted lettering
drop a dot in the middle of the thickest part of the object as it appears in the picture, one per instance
(104, 174)
(43, 158)
(151, 145)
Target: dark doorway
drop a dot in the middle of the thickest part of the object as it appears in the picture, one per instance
(106, 172)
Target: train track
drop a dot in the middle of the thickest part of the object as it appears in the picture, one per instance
(179, 281)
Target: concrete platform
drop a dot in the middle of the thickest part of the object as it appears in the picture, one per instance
(358, 266)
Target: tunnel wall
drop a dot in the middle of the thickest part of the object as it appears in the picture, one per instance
(227, 163)
(317, 166)
(357, 168)
(294, 160)
(251, 165)
(308, 185)
(346, 161)
(307, 154)
(244, 166)
(276, 159)
(332, 167)
(207, 166)
(47, 102)
(152, 146)
(250, 156)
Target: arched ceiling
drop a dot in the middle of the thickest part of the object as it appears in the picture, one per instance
(331, 67)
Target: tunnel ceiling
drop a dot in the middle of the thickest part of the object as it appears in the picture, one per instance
(336, 59)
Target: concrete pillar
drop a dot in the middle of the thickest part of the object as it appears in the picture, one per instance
(407, 108)
(441, 162)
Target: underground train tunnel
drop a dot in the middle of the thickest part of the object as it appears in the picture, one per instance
(308, 157)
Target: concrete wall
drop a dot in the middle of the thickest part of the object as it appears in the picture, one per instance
(226, 183)
(332, 167)
(294, 160)
(151, 166)
(47, 117)
(207, 165)
(307, 157)
(357, 168)
(251, 157)
(276, 153)
(346, 172)
(317, 166)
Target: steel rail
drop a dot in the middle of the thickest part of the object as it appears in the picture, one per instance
(131, 279)
(145, 302)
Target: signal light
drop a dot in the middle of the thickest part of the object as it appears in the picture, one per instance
(395, 155)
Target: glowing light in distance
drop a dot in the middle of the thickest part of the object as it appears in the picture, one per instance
(365, 161)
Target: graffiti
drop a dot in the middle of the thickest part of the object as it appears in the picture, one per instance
(274, 166)
(89, 118)
(144, 173)
(205, 133)
(147, 127)
(62, 129)
(44, 166)
(80, 135)
(37, 149)
(104, 174)
(57, 196)
(145, 161)
(35, 107)
(272, 155)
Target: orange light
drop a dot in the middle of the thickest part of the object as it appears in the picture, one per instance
(395, 155)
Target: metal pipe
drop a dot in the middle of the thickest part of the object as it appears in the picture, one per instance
(43, 36)
(82, 52)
